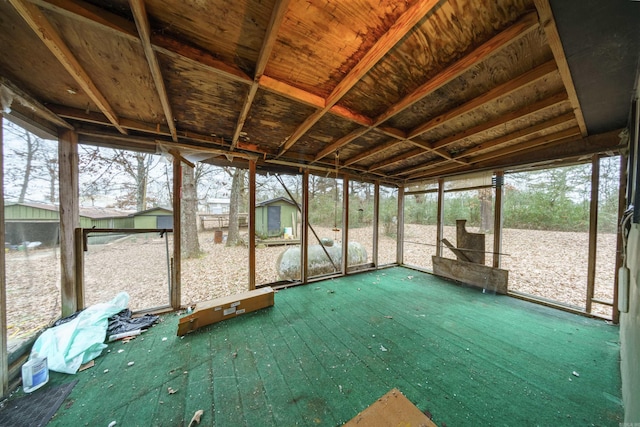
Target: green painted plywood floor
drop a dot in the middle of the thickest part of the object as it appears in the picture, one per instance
(328, 350)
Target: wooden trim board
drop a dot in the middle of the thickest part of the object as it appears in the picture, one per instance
(392, 409)
(223, 308)
(476, 275)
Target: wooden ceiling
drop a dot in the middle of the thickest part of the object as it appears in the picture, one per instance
(397, 91)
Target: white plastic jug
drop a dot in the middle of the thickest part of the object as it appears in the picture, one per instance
(35, 373)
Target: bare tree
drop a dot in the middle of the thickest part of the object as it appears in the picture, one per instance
(106, 167)
(189, 214)
(30, 159)
(237, 189)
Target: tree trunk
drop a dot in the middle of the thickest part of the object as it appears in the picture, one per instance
(31, 148)
(486, 209)
(233, 237)
(141, 182)
(188, 216)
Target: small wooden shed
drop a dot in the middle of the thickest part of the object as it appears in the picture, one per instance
(153, 218)
(273, 216)
(40, 222)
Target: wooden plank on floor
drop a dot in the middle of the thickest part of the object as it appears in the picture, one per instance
(278, 393)
(306, 374)
(226, 396)
(390, 410)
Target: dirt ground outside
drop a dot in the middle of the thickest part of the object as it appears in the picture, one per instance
(550, 265)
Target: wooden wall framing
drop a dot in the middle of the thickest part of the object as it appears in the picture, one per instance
(4, 359)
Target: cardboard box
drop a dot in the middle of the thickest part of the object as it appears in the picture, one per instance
(392, 409)
(219, 309)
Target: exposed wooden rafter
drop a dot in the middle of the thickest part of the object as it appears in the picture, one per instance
(521, 113)
(197, 57)
(489, 153)
(371, 152)
(142, 23)
(267, 46)
(548, 24)
(521, 28)
(499, 91)
(50, 37)
(496, 43)
(396, 32)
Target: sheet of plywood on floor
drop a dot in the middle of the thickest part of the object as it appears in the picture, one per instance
(390, 410)
(325, 351)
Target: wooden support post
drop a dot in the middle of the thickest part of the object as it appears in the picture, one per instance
(177, 227)
(622, 206)
(400, 233)
(252, 225)
(345, 224)
(69, 217)
(497, 220)
(78, 239)
(376, 222)
(593, 230)
(4, 358)
(304, 228)
(440, 215)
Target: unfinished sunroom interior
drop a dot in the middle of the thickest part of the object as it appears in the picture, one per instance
(361, 212)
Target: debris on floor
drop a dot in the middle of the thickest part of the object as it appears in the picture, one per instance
(216, 310)
(196, 418)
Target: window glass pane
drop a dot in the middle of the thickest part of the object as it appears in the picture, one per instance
(475, 208)
(325, 224)
(32, 224)
(124, 190)
(607, 234)
(546, 233)
(388, 226)
(219, 264)
(361, 195)
(278, 228)
(420, 229)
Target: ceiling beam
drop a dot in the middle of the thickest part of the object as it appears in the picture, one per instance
(522, 133)
(399, 158)
(371, 152)
(93, 15)
(179, 51)
(144, 29)
(341, 142)
(100, 119)
(150, 128)
(277, 16)
(52, 40)
(566, 133)
(551, 101)
(22, 97)
(291, 92)
(527, 110)
(386, 42)
(548, 24)
(90, 14)
(523, 26)
(497, 92)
